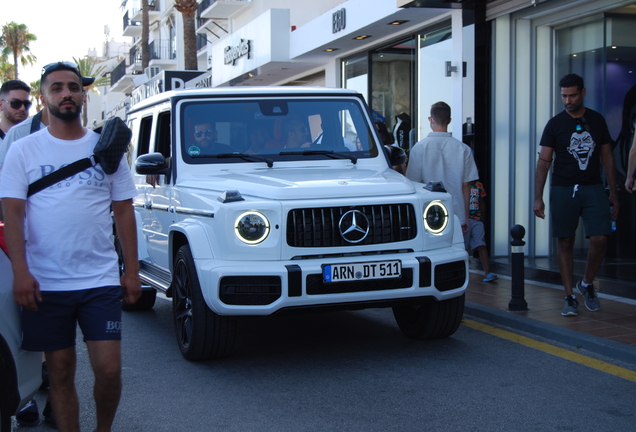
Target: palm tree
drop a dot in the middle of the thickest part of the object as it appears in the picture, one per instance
(6, 71)
(15, 40)
(35, 94)
(87, 68)
(145, 35)
(188, 9)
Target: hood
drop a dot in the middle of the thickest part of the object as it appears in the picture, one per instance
(304, 182)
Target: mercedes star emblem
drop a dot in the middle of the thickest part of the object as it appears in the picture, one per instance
(354, 226)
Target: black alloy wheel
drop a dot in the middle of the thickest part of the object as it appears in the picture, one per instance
(201, 333)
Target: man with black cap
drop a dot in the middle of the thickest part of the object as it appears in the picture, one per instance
(65, 266)
(27, 127)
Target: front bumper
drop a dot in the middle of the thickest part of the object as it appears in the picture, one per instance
(268, 287)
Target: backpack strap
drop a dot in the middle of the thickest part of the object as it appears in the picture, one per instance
(35, 123)
(2, 134)
(59, 175)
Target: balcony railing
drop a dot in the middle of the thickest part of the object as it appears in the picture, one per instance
(160, 49)
(152, 7)
(202, 41)
(202, 6)
(135, 55)
(224, 9)
(128, 22)
(118, 73)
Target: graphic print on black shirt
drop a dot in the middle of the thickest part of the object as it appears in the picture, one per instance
(577, 147)
(582, 147)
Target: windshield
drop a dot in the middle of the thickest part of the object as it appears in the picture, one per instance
(275, 129)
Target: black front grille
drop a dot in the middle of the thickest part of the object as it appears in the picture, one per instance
(250, 290)
(318, 227)
(316, 284)
(450, 275)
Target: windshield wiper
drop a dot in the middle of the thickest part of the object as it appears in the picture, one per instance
(329, 153)
(245, 157)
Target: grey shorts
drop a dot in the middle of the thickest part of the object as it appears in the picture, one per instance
(588, 202)
(53, 326)
(476, 235)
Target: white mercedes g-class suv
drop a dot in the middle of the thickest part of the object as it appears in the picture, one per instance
(261, 201)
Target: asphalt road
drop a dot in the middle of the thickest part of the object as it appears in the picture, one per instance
(352, 371)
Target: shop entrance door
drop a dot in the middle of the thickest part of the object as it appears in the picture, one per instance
(604, 54)
(393, 90)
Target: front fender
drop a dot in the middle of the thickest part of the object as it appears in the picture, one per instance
(195, 234)
(458, 236)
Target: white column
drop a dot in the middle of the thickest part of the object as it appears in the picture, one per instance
(544, 109)
(457, 111)
(523, 159)
(501, 136)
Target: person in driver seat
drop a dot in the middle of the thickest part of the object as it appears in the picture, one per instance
(205, 136)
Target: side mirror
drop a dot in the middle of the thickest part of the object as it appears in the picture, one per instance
(151, 163)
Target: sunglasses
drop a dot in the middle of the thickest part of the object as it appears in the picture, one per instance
(17, 103)
(63, 65)
(581, 123)
(208, 133)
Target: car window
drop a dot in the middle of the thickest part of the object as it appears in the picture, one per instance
(143, 143)
(163, 135)
(278, 128)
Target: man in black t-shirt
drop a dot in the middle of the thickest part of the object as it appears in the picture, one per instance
(580, 142)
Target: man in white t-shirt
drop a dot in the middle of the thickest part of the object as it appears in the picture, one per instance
(440, 157)
(27, 127)
(60, 242)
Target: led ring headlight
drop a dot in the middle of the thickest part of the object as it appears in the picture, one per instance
(435, 217)
(251, 227)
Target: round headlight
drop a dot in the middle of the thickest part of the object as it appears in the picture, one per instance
(435, 217)
(251, 227)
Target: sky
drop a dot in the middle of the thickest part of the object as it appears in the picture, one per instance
(64, 28)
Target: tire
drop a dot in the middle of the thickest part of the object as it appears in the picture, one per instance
(434, 320)
(201, 333)
(148, 295)
(145, 302)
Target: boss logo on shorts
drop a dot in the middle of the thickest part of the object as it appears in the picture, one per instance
(113, 326)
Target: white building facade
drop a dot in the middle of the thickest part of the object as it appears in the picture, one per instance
(496, 62)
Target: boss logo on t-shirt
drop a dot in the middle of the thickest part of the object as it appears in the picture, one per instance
(93, 176)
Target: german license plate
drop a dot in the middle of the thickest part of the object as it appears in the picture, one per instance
(362, 271)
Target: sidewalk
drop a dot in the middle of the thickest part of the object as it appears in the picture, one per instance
(610, 332)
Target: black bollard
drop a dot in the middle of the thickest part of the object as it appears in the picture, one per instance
(518, 302)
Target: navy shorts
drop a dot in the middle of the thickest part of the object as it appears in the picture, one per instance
(53, 326)
(588, 202)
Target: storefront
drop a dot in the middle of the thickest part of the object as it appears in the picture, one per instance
(400, 56)
(402, 59)
(403, 78)
(533, 47)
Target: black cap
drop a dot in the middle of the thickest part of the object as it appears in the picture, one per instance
(69, 66)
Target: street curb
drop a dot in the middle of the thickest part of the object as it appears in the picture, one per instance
(573, 339)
